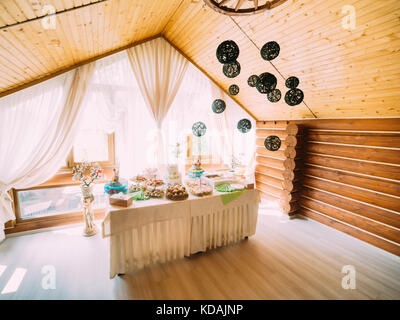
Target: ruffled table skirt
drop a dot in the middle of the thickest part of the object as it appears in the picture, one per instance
(157, 231)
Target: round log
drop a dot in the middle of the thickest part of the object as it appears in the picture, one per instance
(291, 141)
(287, 185)
(290, 152)
(292, 129)
(288, 174)
(289, 164)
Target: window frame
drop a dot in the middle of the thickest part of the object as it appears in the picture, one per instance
(63, 178)
(205, 159)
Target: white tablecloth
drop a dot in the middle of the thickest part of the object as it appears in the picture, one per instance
(160, 230)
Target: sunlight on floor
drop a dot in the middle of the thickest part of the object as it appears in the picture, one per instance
(2, 269)
(15, 281)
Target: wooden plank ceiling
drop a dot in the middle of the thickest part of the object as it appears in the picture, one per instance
(343, 73)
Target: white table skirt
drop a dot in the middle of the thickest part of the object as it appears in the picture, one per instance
(159, 230)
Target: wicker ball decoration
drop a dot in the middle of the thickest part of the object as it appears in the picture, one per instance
(272, 143)
(199, 129)
(294, 97)
(292, 82)
(270, 50)
(218, 106)
(244, 125)
(266, 83)
(262, 88)
(234, 90)
(274, 95)
(231, 70)
(252, 80)
(227, 52)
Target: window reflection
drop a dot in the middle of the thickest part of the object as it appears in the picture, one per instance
(54, 201)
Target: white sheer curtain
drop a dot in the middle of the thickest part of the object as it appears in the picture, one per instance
(193, 103)
(37, 128)
(159, 70)
(119, 107)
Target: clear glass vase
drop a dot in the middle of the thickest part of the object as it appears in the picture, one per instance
(87, 201)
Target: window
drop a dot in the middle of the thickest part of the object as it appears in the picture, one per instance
(61, 195)
(45, 202)
(92, 143)
(202, 147)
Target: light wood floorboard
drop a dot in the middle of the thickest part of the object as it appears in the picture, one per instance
(286, 259)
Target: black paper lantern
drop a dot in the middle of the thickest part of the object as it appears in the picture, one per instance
(266, 82)
(218, 106)
(252, 80)
(292, 82)
(270, 50)
(294, 97)
(233, 90)
(231, 70)
(272, 143)
(274, 95)
(199, 129)
(227, 52)
(244, 125)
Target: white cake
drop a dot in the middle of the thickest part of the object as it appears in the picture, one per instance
(174, 177)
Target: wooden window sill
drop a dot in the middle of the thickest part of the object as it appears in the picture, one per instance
(54, 221)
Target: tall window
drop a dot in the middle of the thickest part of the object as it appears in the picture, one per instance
(61, 196)
(92, 142)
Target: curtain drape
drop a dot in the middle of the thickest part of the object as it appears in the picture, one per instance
(114, 94)
(193, 103)
(159, 70)
(37, 129)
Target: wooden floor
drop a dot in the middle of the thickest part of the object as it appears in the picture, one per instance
(286, 259)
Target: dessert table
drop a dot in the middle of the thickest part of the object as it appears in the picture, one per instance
(161, 230)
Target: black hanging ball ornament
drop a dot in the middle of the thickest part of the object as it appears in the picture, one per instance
(272, 143)
(252, 80)
(270, 50)
(274, 95)
(218, 106)
(227, 52)
(294, 97)
(199, 129)
(233, 90)
(231, 70)
(244, 125)
(266, 82)
(261, 88)
(292, 82)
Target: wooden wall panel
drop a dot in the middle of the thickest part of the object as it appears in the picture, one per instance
(351, 230)
(351, 177)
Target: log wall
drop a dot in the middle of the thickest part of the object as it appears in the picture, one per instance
(278, 174)
(350, 177)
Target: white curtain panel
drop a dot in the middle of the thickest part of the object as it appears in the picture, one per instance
(119, 107)
(37, 129)
(193, 103)
(159, 70)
